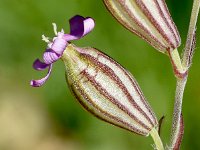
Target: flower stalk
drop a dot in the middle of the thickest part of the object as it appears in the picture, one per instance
(179, 70)
(156, 138)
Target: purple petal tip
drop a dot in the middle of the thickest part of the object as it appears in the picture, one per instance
(80, 26)
(38, 65)
(34, 83)
(40, 82)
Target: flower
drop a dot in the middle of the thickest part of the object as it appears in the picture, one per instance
(148, 19)
(107, 90)
(79, 27)
(100, 84)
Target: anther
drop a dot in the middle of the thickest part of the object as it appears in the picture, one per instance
(62, 31)
(46, 39)
(55, 28)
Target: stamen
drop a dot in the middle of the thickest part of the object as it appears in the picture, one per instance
(46, 39)
(55, 28)
(62, 31)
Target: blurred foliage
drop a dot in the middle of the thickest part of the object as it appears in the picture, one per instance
(49, 118)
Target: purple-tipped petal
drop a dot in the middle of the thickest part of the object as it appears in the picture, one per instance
(50, 56)
(79, 27)
(40, 82)
(38, 65)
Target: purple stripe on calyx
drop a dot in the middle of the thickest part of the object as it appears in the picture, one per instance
(109, 72)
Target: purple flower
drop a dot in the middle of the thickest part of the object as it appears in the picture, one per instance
(79, 27)
(101, 85)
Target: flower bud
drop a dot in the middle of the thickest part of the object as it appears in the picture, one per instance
(107, 90)
(149, 19)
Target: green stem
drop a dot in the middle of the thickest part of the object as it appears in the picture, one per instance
(191, 34)
(156, 139)
(182, 80)
(180, 87)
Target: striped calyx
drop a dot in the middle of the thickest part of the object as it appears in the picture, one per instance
(107, 90)
(149, 19)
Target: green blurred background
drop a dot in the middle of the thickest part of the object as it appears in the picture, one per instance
(49, 118)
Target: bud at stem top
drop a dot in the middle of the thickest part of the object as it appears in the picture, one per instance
(149, 19)
(107, 90)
